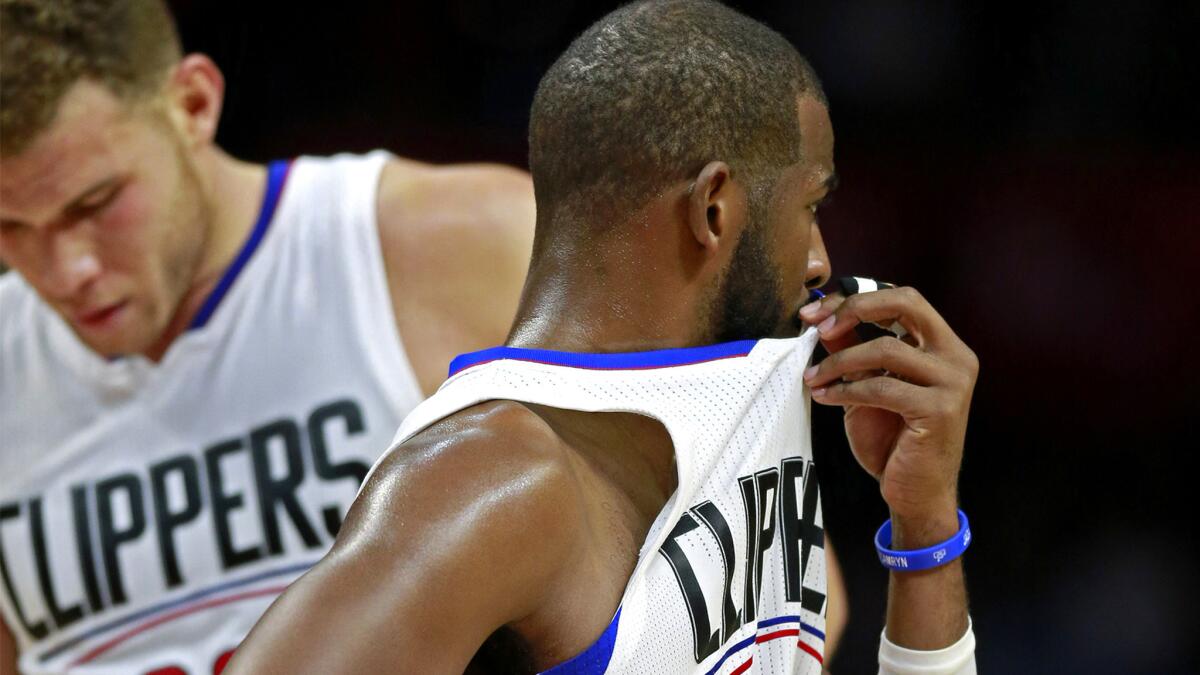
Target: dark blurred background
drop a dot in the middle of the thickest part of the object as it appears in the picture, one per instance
(1032, 167)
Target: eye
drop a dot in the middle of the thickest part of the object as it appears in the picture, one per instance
(95, 202)
(823, 201)
(99, 201)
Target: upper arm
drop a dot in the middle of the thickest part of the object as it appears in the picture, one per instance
(446, 543)
(456, 244)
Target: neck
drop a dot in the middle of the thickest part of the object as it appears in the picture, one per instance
(615, 304)
(231, 193)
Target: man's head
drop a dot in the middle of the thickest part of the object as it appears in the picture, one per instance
(101, 125)
(688, 101)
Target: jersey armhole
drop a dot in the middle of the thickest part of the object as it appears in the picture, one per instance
(374, 310)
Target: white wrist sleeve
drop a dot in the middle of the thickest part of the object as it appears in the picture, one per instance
(957, 659)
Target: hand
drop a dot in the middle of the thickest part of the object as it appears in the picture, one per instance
(906, 400)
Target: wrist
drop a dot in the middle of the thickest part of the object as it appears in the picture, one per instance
(908, 557)
(912, 531)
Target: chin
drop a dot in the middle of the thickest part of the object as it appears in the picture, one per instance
(112, 344)
(108, 348)
(795, 325)
(788, 331)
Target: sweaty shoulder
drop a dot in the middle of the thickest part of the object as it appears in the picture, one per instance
(495, 471)
(465, 528)
(489, 444)
(456, 243)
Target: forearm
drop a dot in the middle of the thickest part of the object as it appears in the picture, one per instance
(928, 631)
(927, 609)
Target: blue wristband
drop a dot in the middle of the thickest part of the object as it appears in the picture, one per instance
(924, 558)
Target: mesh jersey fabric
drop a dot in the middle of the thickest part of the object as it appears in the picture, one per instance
(731, 574)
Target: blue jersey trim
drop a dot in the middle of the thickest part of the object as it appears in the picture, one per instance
(277, 173)
(593, 660)
(663, 358)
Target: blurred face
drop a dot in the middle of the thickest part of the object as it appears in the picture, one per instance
(780, 255)
(103, 216)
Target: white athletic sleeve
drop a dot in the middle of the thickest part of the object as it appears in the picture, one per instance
(957, 659)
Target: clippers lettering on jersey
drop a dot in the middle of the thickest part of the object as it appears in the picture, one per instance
(781, 501)
(113, 512)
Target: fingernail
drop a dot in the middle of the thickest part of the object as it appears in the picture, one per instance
(827, 325)
(818, 393)
(811, 372)
(810, 309)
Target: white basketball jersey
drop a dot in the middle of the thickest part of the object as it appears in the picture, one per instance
(149, 513)
(731, 576)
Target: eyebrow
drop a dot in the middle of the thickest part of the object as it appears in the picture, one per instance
(76, 204)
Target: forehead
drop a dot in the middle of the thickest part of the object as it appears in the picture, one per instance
(81, 146)
(816, 132)
(816, 140)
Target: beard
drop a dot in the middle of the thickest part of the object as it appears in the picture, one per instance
(748, 303)
(187, 237)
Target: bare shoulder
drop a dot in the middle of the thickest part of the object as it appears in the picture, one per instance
(497, 459)
(429, 204)
(456, 243)
(470, 526)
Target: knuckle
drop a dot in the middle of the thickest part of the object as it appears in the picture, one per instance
(945, 407)
(880, 386)
(891, 346)
(963, 381)
(910, 294)
(971, 359)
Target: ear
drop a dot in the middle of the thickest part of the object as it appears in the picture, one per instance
(716, 206)
(195, 92)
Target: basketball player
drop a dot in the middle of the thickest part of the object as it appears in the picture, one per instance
(200, 358)
(628, 485)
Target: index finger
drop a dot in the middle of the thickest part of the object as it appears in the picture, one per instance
(902, 305)
(818, 310)
(822, 305)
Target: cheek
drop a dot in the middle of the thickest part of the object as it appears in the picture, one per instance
(125, 232)
(791, 237)
(18, 250)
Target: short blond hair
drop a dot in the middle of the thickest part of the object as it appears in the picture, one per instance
(46, 46)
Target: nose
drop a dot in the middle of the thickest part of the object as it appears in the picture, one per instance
(819, 268)
(72, 263)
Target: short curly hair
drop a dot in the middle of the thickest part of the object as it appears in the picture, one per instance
(651, 93)
(46, 46)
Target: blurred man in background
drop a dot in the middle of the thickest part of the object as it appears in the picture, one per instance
(200, 357)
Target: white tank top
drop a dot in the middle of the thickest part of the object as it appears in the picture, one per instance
(732, 572)
(149, 513)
